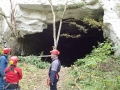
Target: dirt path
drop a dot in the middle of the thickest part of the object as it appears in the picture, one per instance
(35, 79)
(63, 77)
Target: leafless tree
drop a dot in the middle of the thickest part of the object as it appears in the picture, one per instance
(11, 23)
(56, 39)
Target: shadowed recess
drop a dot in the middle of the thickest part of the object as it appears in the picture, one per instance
(73, 43)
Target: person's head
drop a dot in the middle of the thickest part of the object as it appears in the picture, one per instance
(54, 53)
(13, 60)
(6, 51)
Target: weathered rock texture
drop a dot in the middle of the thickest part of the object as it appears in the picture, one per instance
(111, 20)
(33, 16)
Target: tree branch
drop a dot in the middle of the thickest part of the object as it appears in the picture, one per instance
(13, 22)
(54, 25)
(76, 82)
(60, 25)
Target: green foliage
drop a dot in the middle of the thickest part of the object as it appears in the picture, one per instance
(70, 36)
(1, 52)
(87, 21)
(98, 54)
(34, 60)
(97, 71)
(80, 27)
(92, 22)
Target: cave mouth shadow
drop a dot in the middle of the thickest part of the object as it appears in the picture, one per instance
(70, 48)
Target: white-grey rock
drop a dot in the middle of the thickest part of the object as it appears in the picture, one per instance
(111, 19)
(32, 16)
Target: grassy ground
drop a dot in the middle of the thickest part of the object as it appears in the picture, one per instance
(35, 79)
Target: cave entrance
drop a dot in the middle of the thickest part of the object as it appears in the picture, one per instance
(71, 46)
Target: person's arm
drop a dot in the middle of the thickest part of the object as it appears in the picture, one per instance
(2, 66)
(19, 73)
(53, 76)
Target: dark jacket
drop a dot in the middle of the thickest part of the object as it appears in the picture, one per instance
(54, 69)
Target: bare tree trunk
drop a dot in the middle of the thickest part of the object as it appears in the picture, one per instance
(54, 24)
(60, 25)
(12, 26)
(14, 29)
(13, 22)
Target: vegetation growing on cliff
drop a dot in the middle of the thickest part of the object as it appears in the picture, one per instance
(87, 23)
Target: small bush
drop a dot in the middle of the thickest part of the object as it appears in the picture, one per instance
(34, 60)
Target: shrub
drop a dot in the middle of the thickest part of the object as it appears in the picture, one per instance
(99, 70)
(34, 60)
(98, 54)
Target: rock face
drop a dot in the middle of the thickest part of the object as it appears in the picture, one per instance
(111, 20)
(33, 16)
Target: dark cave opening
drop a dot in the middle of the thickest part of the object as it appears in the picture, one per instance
(70, 48)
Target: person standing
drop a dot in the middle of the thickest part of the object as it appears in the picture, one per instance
(54, 69)
(13, 74)
(3, 65)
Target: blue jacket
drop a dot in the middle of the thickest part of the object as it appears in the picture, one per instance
(54, 69)
(3, 63)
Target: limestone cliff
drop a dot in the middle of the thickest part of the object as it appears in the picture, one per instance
(33, 16)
